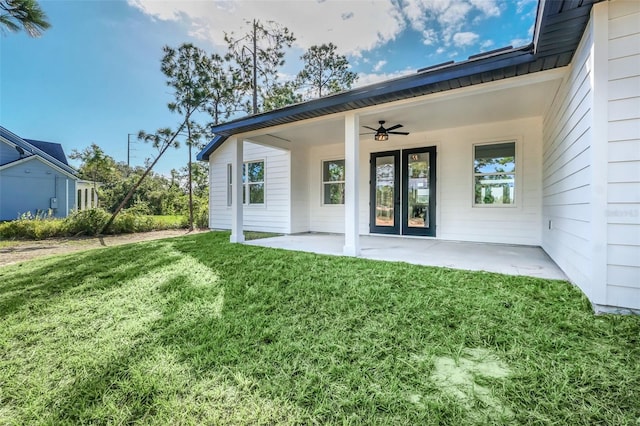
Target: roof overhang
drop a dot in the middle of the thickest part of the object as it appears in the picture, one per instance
(558, 30)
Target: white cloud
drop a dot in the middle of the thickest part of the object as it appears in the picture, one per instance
(347, 24)
(486, 44)
(465, 38)
(521, 5)
(487, 7)
(439, 20)
(371, 78)
(377, 67)
(354, 26)
(519, 42)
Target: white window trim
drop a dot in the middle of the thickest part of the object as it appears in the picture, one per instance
(322, 181)
(516, 174)
(245, 188)
(229, 184)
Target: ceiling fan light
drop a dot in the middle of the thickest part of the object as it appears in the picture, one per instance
(381, 137)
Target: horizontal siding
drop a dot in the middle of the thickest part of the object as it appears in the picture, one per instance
(29, 187)
(567, 171)
(324, 218)
(623, 174)
(274, 215)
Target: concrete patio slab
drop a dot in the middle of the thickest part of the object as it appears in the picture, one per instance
(501, 258)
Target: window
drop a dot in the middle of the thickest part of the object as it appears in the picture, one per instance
(494, 171)
(252, 184)
(253, 179)
(333, 182)
(229, 187)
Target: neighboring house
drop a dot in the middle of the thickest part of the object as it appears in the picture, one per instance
(34, 177)
(538, 145)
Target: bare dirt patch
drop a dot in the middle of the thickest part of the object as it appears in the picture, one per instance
(20, 251)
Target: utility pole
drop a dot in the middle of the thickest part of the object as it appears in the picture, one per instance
(129, 148)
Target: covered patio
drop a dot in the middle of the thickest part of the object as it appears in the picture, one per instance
(501, 258)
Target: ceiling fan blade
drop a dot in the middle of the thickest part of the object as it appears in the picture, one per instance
(370, 128)
(368, 133)
(397, 126)
(399, 133)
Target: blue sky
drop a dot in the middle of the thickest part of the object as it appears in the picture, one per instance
(95, 75)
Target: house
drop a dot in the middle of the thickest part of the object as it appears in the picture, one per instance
(536, 145)
(36, 177)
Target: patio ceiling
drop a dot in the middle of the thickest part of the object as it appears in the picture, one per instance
(522, 97)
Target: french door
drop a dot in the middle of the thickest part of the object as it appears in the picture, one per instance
(403, 192)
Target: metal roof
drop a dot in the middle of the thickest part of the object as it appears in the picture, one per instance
(557, 33)
(53, 149)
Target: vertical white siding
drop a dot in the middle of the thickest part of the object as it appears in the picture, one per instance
(566, 178)
(623, 180)
(274, 215)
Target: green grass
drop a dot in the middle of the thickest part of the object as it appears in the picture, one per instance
(171, 221)
(195, 330)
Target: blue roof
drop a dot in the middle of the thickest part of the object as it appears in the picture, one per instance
(53, 149)
(48, 151)
(558, 30)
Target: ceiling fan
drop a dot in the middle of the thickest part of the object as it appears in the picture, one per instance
(382, 134)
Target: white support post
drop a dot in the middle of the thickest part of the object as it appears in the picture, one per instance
(352, 193)
(237, 187)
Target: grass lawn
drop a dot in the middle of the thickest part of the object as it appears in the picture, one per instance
(195, 330)
(171, 221)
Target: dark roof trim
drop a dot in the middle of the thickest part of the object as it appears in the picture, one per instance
(558, 30)
(387, 91)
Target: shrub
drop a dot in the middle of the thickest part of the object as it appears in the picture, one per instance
(34, 229)
(86, 222)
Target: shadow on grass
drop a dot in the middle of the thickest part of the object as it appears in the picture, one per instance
(339, 339)
(39, 281)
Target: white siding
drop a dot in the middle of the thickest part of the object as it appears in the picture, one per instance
(566, 176)
(623, 172)
(456, 217)
(324, 218)
(274, 215)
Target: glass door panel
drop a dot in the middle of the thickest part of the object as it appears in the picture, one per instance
(418, 191)
(385, 193)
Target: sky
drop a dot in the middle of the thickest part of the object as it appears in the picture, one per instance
(94, 76)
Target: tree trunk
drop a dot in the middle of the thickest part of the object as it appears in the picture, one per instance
(144, 175)
(190, 180)
(255, 68)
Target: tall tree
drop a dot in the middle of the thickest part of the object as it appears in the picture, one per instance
(25, 14)
(259, 54)
(325, 71)
(162, 139)
(282, 95)
(95, 166)
(224, 87)
(188, 71)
